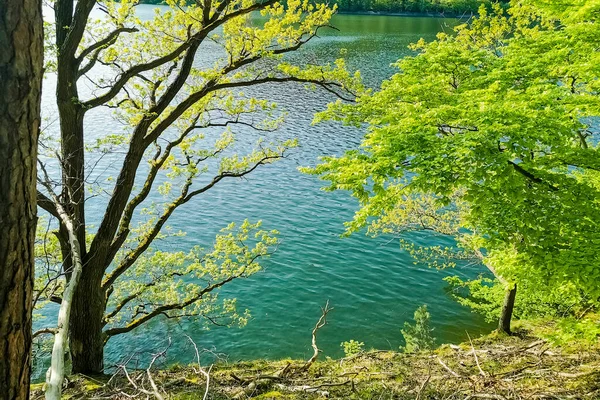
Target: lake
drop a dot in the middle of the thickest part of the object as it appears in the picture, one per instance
(373, 285)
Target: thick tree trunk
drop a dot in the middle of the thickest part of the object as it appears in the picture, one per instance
(87, 337)
(87, 309)
(20, 93)
(507, 310)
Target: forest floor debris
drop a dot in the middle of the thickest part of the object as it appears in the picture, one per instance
(491, 367)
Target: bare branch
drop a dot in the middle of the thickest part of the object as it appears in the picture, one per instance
(150, 379)
(320, 323)
(44, 331)
(475, 356)
(443, 364)
(200, 369)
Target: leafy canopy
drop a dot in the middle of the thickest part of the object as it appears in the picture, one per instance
(499, 118)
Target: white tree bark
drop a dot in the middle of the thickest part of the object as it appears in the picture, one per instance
(56, 372)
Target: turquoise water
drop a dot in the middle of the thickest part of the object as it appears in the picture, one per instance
(372, 284)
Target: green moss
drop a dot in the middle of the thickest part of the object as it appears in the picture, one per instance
(272, 395)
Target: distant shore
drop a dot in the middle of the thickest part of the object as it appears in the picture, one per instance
(436, 14)
(410, 14)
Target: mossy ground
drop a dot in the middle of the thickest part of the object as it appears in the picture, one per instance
(501, 367)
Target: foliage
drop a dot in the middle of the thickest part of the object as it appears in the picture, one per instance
(177, 83)
(485, 296)
(352, 347)
(495, 125)
(191, 280)
(418, 337)
(412, 6)
(572, 331)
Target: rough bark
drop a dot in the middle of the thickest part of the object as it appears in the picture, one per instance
(507, 310)
(20, 93)
(87, 338)
(69, 28)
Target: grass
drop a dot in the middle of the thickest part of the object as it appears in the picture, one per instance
(521, 366)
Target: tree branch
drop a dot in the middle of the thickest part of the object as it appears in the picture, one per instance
(134, 254)
(115, 213)
(214, 86)
(135, 295)
(44, 331)
(320, 323)
(47, 205)
(200, 369)
(118, 201)
(193, 43)
(107, 41)
(169, 307)
(531, 176)
(157, 163)
(77, 26)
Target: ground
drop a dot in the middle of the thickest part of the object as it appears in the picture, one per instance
(521, 366)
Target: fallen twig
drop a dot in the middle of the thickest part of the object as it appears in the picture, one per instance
(200, 369)
(448, 368)
(475, 355)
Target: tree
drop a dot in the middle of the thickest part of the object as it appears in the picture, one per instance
(499, 117)
(418, 337)
(150, 74)
(20, 87)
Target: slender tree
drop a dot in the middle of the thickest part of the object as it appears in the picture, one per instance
(20, 93)
(172, 81)
(500, 116)
(424, 213)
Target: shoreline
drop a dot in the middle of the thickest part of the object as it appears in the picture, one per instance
(429, 14)
(409, 14)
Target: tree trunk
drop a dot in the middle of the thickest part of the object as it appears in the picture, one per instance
(87, 309)
(56, 372)
(87, 337)
(21, 58)
(507, 310)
